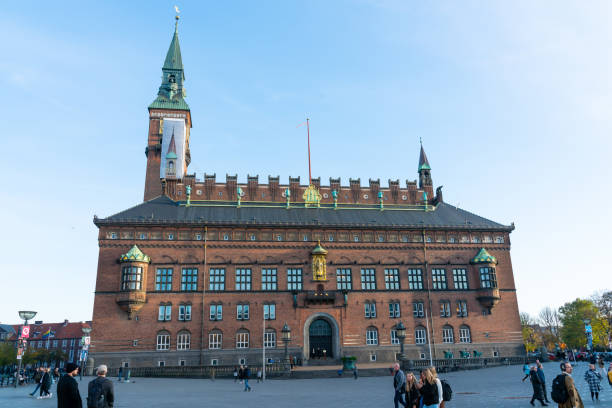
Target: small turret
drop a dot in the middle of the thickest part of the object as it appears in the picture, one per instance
(424, 170)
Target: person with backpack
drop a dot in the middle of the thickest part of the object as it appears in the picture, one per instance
(68, 395)
(536, 383)
(439, 384)
(100, 393)
(564, 391)
(593, 378)
(428, 389)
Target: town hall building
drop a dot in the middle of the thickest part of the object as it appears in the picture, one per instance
(208, 271)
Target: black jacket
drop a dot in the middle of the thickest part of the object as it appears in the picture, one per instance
(46, 381)
(536, 383)
(68, 393)
(429, 393)
(412, 396)
(107, 390)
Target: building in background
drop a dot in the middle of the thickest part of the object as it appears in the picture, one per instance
(208, 271)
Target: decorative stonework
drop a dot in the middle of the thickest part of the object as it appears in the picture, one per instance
(319, 263)
(312, 197)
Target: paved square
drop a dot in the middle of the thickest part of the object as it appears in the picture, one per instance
(491, 387)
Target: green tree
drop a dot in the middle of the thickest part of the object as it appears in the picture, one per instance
(572, 315)
(8, 353)
(531, 338)
(603, 302)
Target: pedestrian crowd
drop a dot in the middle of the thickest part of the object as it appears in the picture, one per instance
(243, 374)
(428, 392)
(563, 390)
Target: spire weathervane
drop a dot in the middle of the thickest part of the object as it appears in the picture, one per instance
(176, 9)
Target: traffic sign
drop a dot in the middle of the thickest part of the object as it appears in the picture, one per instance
(25, 332)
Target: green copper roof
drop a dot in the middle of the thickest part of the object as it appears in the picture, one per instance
(424, 166)
(319, 250)
(171, 93)
(483, 257)
(173, 57)
(134, 255)
(423, 162)
(171, 155)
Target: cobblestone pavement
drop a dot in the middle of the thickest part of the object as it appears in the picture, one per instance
(491, 387)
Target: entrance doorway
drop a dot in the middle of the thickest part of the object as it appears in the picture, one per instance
(320, 339)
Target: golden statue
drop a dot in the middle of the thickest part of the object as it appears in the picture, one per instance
(319, 263)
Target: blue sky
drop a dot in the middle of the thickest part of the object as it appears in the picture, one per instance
(512, 101)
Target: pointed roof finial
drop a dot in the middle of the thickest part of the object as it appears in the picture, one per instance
(176, 9)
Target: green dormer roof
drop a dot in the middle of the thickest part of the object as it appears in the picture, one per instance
(134, 255)
(319, 250)
(483, 257)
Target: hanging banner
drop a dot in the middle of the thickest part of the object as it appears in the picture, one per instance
(177, 128)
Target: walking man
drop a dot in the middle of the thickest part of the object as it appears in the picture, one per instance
(399, 385)
(45, 384)
(37, 379)
(573, 398)
(246, 375)
(538, 390)
(68, 395)
(593, 378)
(100, 393)
(540, 371)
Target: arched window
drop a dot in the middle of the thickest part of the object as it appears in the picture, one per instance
(215, 340)
(447, 334)
(163, 341)
(372, 336)
(183, 341)
(465, 335)
(270, 339)
(420, 335)
(242, 339)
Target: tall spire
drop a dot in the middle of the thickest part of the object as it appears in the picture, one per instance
(171, 148)
(171, 92)
(423, 162)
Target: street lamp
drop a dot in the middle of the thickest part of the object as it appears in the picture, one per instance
(86, 330)
(24, 315)
(400, 333)
(286, 336)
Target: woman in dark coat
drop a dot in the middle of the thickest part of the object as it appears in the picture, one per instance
(412, 393)
(536, 383)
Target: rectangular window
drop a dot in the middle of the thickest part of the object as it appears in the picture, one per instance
(343, 279)
(438, 278)
(131, 278)
(418, 309)
(214, 340)
(420, 337)
(64, 343)
(163, 279)
(394, 310)
(189, 280)
(243, 279)
(270, 339)
(462, 308)
(394, 338)
(447, 335)
(269, 312)
(464, 335)
(161, 363)
(488, 278)
(460, 278)
(216, 312)
(368, 279)
(294, 279)
(165, 313)
(372, 337)
(415, 279)
(183, 341)
(242, 312)
(242, 340)
(392, 279)
(163, 342)
(184, 312)
(370, 310)
(268, 279)
(216, 279)
(71, 355)
(445, 308)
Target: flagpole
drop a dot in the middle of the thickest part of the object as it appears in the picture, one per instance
(308, 130)
(263, 348)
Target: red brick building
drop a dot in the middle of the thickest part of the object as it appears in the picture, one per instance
(188, 276)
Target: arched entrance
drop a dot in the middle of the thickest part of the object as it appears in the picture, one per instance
(320, 339)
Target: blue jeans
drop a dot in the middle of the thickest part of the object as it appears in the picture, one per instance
(35, 389)
(246, 384)
(398, 398)
(431, 406)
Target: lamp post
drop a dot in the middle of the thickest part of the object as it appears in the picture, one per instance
(21, 345)
(286, 336)
(84, 350)
(400, 333)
